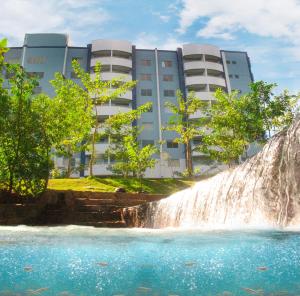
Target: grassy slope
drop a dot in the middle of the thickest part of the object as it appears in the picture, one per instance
(163, 186)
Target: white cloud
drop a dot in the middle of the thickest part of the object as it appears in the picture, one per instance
(163, 17)
(62, 16)
(267, 18)
(150, 41)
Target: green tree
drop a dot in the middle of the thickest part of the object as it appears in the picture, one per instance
(231, 129)
(184, 126)
(272, 111)
(24, 157)
(139, 158)
(236, 121)
(72, 110)
(123, 139)
(99, 92)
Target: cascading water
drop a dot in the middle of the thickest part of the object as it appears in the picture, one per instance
(263, 191)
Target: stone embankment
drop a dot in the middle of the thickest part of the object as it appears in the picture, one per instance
(99, 209)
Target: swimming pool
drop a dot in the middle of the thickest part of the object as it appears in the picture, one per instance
(79, 261)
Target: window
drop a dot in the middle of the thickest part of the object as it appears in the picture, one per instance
(38, 75)
(237, 76)
(146, 92)
(233, 62)
(167, 64)
(173, 163)
(230, 75)
(169, 93)
(145, 77)
(73, 75)
(147, 142)
(168, 78)
(13, 60)
(101, 159)
(8, 75)
(147, 126)
(78, 59)
(36, 60)
(37, 90)
(197, 141)
(167, 110)
(227, 62)
(171, 144)
(146, 63)
(103, 140)
(150, 109)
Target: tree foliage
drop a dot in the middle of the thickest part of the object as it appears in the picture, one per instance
(72, 110)
(99, 92)
(130, 159)
(24, 153)
(236, 121)
(181, 123)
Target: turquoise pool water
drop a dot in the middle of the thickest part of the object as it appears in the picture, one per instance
(85, 261)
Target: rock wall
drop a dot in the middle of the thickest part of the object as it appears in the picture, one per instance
(100, 209)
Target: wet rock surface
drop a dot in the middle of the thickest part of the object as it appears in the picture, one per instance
(99, 209)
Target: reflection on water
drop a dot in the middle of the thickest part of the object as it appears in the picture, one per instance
(81, 261)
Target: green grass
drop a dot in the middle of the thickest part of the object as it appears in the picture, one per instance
(162, 186)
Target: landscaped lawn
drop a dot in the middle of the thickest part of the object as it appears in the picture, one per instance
(163, 186)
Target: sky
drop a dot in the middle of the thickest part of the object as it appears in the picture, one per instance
(269, 30)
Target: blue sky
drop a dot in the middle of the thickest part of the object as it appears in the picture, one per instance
(269, 30)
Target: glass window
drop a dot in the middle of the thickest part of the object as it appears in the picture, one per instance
(38, 75)
(233, 62)
(146, 92)
(169, 93)
(78, 59)
(167, 64)
(168, 78)
(73, 75)
(146, 63)
(37, 90)
(36, 60)
(227, 62)
(147, 126)
(145, 77)
(147, 142)
(173, 163)
(230, 75)
(171, 144)
(237, 76)
(101, 159)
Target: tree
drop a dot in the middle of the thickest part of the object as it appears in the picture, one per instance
(124, 147)
(140, 158)
(24, 157)
(72, 110)
(99, 92)
(272, 111)
(186, 128)
(236, 121)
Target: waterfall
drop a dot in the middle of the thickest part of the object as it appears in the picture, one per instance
(263, 191)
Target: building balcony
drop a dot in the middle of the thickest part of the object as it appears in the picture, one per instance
(100, 148)
(106, 76)
(196, 80)
(205, 95)
(112, 110)
(200, 49)
(117, 45)
(193, 65)
(126, 96)
(112, 61)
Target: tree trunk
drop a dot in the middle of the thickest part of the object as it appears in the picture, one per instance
(68, 174)
(188, 159)
(92, 159)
